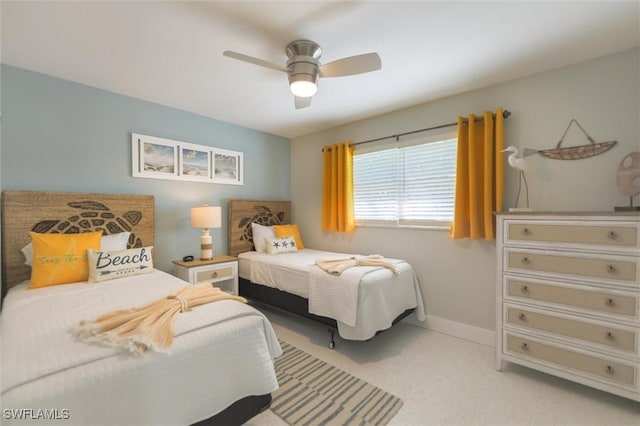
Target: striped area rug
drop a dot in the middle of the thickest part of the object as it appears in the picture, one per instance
(313, 392)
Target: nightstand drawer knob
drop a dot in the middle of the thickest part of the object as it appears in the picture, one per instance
(611, 269)
(525, 261)
(522, 317)
(214, 274)
(609, 302)
(610, 336)
(612, 235)
(526, 231)
(610, 370)
(524, 289)
(525, 347)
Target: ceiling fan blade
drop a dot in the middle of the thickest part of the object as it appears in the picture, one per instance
(358, 64)
(302, 102)
(252, 60)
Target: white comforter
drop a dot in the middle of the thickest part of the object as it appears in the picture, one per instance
(222, 352)
(379, 294)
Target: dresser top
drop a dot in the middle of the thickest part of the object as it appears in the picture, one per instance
(609, 214)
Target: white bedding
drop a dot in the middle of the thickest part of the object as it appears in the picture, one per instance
(381, 295)
(222, 352)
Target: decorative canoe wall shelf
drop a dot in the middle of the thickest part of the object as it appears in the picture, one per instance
(574, 152)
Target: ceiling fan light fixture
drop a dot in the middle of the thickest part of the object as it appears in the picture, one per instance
(303, 88)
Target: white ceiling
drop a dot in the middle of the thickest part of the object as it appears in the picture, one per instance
(171, 52)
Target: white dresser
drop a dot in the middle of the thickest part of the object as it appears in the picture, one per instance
(568, 297)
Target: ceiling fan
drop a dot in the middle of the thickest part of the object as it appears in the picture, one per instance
(303, 67)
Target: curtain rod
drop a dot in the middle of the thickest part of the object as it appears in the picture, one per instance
(505, 114)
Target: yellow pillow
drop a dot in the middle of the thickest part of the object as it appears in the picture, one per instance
(287, 231)
(61, 258)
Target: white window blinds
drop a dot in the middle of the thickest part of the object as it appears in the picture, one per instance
(406, 185)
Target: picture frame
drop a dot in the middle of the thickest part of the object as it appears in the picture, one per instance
(195, 163)
(159, 158)
(154, 157)
(227, 166)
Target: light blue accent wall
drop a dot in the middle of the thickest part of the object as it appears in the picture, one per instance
(59, 135)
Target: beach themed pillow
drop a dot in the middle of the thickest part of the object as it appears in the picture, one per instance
(279, 245)
(108, 265)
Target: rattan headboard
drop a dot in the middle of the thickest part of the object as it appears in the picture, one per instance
(243, 212)
(66, 213)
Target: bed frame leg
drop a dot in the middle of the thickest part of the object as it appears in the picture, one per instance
(332, 342)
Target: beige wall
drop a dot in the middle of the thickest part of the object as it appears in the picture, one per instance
(458, 276)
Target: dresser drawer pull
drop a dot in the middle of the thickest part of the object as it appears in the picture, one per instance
(524, 289)
(526, 231)
(611, 269)
(609, 302)
(522, 317)
(612, 235)
(214, 274)
(610, 370)
(610, 336)
(525, 261)
(525, 347)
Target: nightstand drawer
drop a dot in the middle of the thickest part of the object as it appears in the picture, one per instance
(214, 274)
(602, 334)
(608, 234)
(612, 371)
(600, 301)
(616, 269)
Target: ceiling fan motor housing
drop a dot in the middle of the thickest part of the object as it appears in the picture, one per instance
(303, 61)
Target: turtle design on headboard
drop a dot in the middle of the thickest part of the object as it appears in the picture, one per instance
(94, 217)
(264, 217)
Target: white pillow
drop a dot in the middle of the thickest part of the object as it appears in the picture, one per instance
(108, 265)
(260, 234)
(279, 245)
(107, 243)
(114, 241)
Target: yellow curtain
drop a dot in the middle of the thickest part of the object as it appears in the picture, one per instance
(337, 188)
(479, 176)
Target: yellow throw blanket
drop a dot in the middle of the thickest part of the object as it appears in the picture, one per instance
(338, 266)
(151, 326)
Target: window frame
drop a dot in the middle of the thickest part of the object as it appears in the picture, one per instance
(403, 223)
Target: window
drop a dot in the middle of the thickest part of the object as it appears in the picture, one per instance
(411, 183)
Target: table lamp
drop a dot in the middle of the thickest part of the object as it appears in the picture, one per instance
(206, 217)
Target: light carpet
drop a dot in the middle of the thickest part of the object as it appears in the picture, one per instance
(313, 392)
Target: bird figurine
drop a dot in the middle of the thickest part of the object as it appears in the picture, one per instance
(520, 164)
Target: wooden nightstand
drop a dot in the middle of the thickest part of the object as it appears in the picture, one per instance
(222, 271)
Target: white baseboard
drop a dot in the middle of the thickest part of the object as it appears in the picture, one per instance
(461, 330)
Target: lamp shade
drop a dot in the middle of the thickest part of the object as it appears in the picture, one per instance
(206, 217)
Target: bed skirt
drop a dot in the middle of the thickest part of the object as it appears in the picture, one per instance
(239, 412)
(292, 303)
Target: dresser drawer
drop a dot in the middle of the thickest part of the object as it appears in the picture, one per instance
(607, 234)
(610, 303)
(612, 371)
(603, 268)
(602, 334)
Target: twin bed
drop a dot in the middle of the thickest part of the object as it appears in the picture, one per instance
(294, 283)
(219, 369)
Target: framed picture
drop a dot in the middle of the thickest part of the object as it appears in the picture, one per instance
(154, 157)
(158, 158)
(227, 166)
(195, 163)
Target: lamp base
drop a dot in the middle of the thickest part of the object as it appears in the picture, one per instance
(206, 246)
